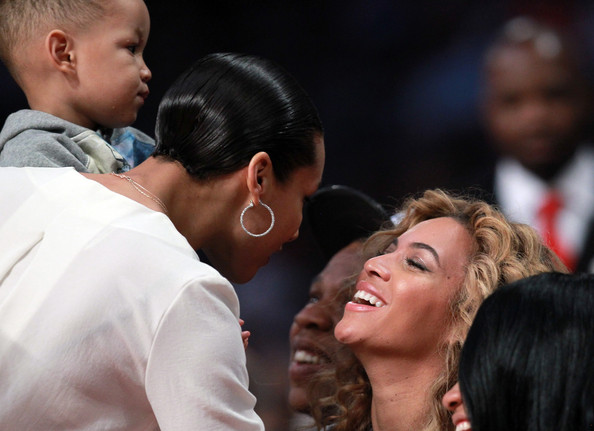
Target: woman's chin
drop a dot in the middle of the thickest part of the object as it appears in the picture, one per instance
(344, 332)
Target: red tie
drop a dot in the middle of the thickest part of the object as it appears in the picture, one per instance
(548, 213)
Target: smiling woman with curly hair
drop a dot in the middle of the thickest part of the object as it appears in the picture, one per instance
(412, 307)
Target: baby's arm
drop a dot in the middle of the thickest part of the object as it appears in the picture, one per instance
(245, 335)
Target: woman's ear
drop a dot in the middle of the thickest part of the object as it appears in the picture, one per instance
(259, 176)
(59, 47)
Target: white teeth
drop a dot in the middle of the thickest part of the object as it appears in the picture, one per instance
(463, 426)
(366, 296)
(305, 357)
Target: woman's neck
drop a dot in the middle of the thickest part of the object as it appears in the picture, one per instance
(194, 207)
(401, 398)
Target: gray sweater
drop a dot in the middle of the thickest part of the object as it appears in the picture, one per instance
(35, 138)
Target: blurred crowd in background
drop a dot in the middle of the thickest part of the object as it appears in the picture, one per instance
(397, 86)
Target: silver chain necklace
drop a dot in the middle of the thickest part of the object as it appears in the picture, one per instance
(142, 190)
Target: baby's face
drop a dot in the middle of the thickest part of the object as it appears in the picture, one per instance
(111, 72)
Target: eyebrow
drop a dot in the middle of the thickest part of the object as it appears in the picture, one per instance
(423, 246)
(316, 280)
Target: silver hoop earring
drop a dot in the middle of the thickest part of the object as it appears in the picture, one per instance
(257, 235)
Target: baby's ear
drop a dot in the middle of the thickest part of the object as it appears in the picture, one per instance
(58, 47)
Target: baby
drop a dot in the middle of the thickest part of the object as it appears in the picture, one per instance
(80, 64)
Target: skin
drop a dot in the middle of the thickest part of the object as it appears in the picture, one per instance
(415, 287)
(534, 107)
(312, 331)
(245, 335)
(97, 76)
(416, 279)
(217, 230)
(232, 250)
(452, 401)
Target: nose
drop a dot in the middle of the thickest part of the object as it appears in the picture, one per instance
(145, 72)
(314, 316)
(535, 112)
(376, 266)
(452, 398)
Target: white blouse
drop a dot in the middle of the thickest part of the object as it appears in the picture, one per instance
(108, 320)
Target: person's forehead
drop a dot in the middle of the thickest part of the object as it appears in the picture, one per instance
(516, 57)
(337, 271)
(445, 234)
(343, 265)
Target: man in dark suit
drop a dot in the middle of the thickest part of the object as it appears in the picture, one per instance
(536, 106)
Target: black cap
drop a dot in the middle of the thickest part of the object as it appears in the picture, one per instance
(338, 215)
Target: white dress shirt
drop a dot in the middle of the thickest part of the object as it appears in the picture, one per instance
(520, 193)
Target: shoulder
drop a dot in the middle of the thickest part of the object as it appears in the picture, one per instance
(26, 181)
(33, 138)
(28, 120)
(128, 238)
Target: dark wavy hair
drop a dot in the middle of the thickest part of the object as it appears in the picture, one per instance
(527, 362)
(226, 108)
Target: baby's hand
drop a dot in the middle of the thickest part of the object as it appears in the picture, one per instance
(245, 335)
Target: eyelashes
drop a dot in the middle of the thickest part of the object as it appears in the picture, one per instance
(412, 260)
(416, 264)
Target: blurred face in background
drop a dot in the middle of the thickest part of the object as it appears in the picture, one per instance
(535, 105)
(312, 333)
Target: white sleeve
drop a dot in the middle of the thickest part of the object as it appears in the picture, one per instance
(196, 376)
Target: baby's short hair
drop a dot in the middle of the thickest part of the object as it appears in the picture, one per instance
(22, 20)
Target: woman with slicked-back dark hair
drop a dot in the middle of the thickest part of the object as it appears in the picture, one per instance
(526, 364)
(225, 112)
(104, 301)
(236, 105)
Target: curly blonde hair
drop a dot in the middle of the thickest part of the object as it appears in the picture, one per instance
(503, 252)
